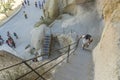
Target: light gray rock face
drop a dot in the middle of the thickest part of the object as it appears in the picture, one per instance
(54, 8)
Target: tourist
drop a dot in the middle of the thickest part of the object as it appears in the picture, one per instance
(86, 39)
(25, 2)
(15, 34)
(39, 5)
(25, 15)
(10, 42)
(1, 40)
(23, 5)
(35, 4)
(42, 5)
(8, 34)
(28, 2)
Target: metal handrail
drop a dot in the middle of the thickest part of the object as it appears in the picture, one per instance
(55, 65)
(22, 62)
(25, 61)
(39, 66)
(33, 58)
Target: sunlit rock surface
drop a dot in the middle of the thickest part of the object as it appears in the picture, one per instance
(107, 53)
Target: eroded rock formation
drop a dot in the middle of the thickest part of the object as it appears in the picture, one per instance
(107, 53)
(54, 8)
(7, 59)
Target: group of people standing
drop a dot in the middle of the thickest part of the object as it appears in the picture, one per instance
(25, 2)
(39, 4)
(36, 3)
(10, 41)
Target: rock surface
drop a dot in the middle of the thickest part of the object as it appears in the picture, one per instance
(54, 7)
(107, 53)
(7, 59)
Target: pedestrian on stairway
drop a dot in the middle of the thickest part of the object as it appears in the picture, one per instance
(15, 34)
(25, 15)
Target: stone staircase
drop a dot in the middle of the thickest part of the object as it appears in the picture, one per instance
(47, 45)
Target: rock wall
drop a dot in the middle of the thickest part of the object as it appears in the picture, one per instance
(7, 59)
(54, 8)
(51, 9)
(107, 53)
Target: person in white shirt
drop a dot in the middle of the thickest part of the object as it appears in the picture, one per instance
(86, 40)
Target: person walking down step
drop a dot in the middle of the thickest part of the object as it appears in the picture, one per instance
(25, 15)
(86, 40)
(15, 34)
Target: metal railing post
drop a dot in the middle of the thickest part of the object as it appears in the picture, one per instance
(68, 54)
(77, 43)
(32, 70)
